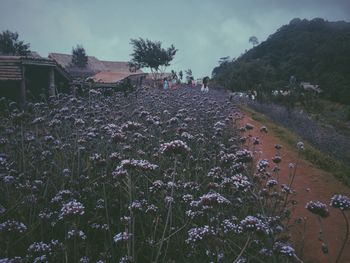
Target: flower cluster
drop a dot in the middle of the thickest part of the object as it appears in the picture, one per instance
(174, 147)
(317, 208)
(244, 156)
(140, 164)
(262, 165)
(41, 251)
(284, 249)
(197, 234)
(130, 126)
(13, 226)
(230, 225)
(255, 225)
(121, 237)
(271, 183)
(72, 208)
(237, 181)
(300, 146)
(76, 233)
(215, 173)
(340, 201)
(213, 199)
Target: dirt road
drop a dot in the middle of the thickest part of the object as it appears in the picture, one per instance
(313, 184)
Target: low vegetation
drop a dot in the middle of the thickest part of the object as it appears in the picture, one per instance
(334, 164)
(167, 176)
(111, 179)
(315, 51)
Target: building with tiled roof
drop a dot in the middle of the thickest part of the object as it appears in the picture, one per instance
(31, 76)
(96, 70)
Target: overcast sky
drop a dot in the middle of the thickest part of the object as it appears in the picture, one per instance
(202, 30)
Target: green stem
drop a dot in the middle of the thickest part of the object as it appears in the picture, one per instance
(345, 239)
(107, 218)
(295, 170)
(131, 247)
(242, 251)
(322, 237)
(168, 215)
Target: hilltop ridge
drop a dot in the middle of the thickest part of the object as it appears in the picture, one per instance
(316, 51)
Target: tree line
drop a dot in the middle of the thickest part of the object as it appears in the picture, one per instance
(316, 51)
(146, 53)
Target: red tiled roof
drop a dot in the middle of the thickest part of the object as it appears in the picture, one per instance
(93, 66)
(111, 76)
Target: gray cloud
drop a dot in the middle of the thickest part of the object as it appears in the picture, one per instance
(202, 30)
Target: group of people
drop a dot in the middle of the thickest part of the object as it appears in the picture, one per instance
(172, 83)
(169, 83)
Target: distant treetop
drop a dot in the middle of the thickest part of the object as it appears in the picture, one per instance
(11, 46)
(79, 57)
(150, 54)
(254, 40)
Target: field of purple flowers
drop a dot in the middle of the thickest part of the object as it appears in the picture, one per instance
(161, 177)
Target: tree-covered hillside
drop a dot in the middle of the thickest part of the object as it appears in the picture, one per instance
(315, 51)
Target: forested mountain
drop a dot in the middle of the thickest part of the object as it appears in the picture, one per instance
(316, 51)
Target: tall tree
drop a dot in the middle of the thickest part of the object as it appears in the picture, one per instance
(181, 75)
(150, 54)
(254, 40)
(189, 75)
(10, 45)
(224, 60)
(173, 74)
(79, 57)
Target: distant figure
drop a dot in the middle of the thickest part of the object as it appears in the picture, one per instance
(173, 83)
(205, 88)
(193, 83)
(165, 84)
(231, 96)
(169, 83)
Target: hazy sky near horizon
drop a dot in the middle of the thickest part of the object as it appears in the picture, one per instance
(202, 30)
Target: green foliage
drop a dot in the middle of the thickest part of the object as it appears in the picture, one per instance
(348, 115)
(127, 87)
(173, 74)
(254, 40)
(150, 54)
(10, 45)
(205, 80)
(181, 75)
(79, 57)
(320, 159)
(189, 75)
(316, 51)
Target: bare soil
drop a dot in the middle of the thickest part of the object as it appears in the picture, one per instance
(310, 184)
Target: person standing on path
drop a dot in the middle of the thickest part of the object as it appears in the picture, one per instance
(165, 84)
(173, 83)
(193, 83)
(205, 88)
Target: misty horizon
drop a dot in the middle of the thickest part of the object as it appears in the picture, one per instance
(203, 32)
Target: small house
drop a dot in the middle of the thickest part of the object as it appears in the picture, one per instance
(98, 73)
(309, 87)
(31, 77)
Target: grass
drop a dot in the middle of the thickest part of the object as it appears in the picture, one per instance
(320, 159)
(331, 113)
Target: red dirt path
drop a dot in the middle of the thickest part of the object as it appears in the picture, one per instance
(313, 184)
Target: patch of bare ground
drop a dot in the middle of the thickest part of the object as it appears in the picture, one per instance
(310, 184)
